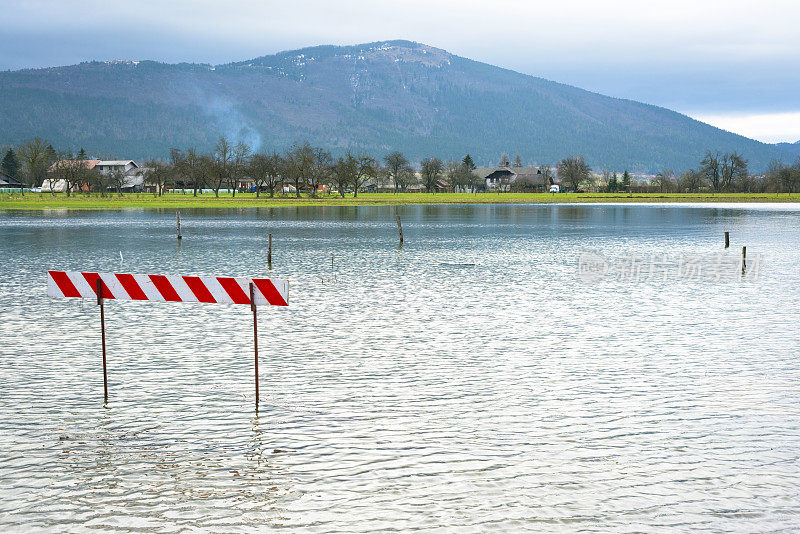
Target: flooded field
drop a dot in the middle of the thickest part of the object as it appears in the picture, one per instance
(515, 367)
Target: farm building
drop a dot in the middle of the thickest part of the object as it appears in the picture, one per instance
(504, 177)
(8, 183)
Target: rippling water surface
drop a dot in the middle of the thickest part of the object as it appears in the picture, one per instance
(402, 389)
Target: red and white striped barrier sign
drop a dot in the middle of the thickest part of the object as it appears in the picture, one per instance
(160, 288)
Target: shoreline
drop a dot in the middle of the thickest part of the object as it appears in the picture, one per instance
(80, 201)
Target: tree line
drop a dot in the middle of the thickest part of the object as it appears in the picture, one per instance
(716, 172)
(304, 168)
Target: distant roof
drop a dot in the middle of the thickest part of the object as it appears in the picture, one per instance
(88, 163)
(532, 174)
(116, 162)
(483, 172)
(132, 181)
(8, 181)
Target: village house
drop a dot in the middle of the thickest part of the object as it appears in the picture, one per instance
(108, 166)
(503, 178)
(134, 175)
(60, 186)
(8, 184)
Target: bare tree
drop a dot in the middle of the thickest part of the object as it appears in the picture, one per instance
(320, 169)
(265, 171)
(239, 166)
(298, 165)
(734, 167)
(722, 171)
(690, 181)
(463, 178)
(574, 171)
(223, 162)
(665, 179)
(784, 178)
(406, 177)
(92, 179)
(547, 174)
(116, 179)
(366, 168)
(157, 174)
(208, 170)
(606, 179)
(517, 161)
(396, 165)
(343, 172)
(67, 170)
(185, 168)
(710, 168)
(431, 172)
(36, 161)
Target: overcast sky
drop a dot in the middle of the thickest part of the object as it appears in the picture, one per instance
(733, 63)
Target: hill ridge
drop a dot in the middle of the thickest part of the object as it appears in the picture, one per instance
(372, 97)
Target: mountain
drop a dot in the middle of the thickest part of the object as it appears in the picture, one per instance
(373, 97)
(793, 148)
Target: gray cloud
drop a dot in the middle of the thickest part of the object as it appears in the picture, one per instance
(696, 56)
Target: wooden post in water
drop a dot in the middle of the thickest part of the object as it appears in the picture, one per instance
(103, 334)
(727, 240)
(178, 214)
(744, 259)
(399, 227)
(255, 333)
(269, 251)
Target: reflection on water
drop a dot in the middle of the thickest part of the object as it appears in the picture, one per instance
(470, 380)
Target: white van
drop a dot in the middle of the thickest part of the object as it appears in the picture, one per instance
(554, 189)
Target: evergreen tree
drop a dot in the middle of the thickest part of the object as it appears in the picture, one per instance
(612, 183)
(468, 163)
(50, 154)
(10, 164)
(81, 154)
(626, 180)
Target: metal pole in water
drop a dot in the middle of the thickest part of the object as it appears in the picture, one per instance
(727, 240)
(179, 225)
(269, 252)
(103, 335)
(255, 333)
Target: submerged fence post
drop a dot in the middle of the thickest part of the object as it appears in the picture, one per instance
(727, 240)
(255, 333)
(178, 214)
(399, 227)
(102, 334)
(269, 252)
(744, 259)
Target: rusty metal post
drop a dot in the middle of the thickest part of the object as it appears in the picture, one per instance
(727, 240)
(255, 332)
(178, 214)
(269, 252)
(103, 334)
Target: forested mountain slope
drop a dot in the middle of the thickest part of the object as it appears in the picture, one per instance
(373, 97)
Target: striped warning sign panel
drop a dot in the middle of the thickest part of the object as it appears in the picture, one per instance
(168, 288)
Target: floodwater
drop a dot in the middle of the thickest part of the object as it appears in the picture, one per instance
(515, 367)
